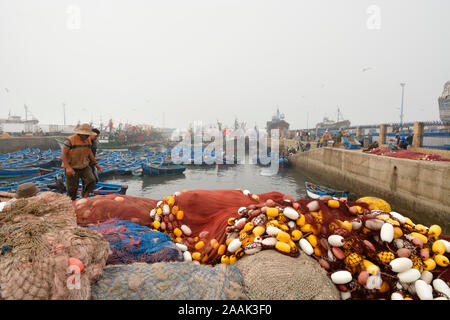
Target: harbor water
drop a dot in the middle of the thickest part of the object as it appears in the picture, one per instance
(242, 176)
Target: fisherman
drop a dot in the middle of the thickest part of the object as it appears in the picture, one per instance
(410, 139)
(94, 151)
(403, 143)
(391, 145)
(326, 136)
(76, 157)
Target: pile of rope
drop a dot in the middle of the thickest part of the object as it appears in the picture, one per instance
(44, 254)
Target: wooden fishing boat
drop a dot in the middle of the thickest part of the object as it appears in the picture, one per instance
(157, 168)
(315, 191)
(18, 171)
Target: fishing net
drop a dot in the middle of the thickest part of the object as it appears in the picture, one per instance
(101, 208)
(6, 196)
(406, 154)
(223, 226)
(269, 275)
(40, 241)
(169, 281)
(130, 242)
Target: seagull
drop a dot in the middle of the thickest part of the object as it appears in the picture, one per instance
(366, 69)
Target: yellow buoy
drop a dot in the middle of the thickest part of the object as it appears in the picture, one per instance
(441, 260)
(225, 260)
(199, 245)
(312, 239)
(301, 220)
(421, 228)
(398, 233)
(307, 228)
(177, 232)
(221, 249)
(170, 201)
(282, 246)
(317, 251)
(230, 221)
(233, 259)
(180, 215)
(429, 264)
(214, 243)
(196, 256)
(272, 212)
(156, 224)
(296, 235)
(333, 203)
(420, 236)
(248, 226)
(283, 236)
(435, 231)
(376, 203)
(438, 247)
(258, 231)
(159, 211)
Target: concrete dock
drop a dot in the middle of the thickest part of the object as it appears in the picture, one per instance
(418, 189)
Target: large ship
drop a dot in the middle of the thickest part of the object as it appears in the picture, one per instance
(330, 124)
(444, 104)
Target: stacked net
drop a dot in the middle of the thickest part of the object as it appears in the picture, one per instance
(347, 239)
(406, 154)
(130, 242)
(101, 208)
(169, 281)
(44, 254)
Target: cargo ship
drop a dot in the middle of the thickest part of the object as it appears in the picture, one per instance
(330, 124)
(444, 104)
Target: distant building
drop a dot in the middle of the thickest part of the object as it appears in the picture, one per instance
(15, 124)
(279, 123)
(444, 104)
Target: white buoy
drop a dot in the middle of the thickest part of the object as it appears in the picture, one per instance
(401, 264)
(396, 296)
(341, 277)
(187, 256)
(409, 276)
(387, 232)
(442, 287)
(306, 246)
(291, 213)
(423, 290)
(336, 240)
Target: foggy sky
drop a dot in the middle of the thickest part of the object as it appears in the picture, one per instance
(202, 60)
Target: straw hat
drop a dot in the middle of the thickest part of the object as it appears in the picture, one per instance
(26, 190)
(85, 128)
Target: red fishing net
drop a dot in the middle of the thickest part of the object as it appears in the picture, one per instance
(406, 154)
(220, 226)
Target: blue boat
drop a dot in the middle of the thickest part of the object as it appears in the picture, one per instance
(315, 191)
(17, 171)
(157, 168)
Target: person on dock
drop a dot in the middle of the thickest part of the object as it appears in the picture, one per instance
(94, 148)
(76, 157)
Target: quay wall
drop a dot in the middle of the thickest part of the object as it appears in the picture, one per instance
(15, 144)
(418, 189)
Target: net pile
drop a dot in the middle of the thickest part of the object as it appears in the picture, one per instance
(169, 281)
(44, 254)
(101, 208)
(345, 238)
(130, 242)
(406, 154)
(270, 275)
